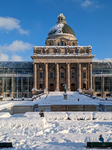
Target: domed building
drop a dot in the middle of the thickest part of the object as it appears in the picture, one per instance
(62, 61)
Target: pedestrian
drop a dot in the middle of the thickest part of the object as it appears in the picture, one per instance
(41, 114)
(101, 138)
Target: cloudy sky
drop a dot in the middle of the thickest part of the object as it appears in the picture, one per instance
(26, 23)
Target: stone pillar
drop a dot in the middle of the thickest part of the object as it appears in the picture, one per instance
(90, 76)
(35, 76)
(12, 87)
(46, 78)
(68, 76)
(79, 72)
(57, 77)
(102, 86)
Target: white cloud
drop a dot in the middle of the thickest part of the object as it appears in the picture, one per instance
(4, 57)
(105, 59)
(16, 46)
(16, 58)
(108, 59)
(87, 3)
(9, 24)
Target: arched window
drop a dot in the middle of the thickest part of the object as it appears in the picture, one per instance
(72, 84)
(62, 84)
(51, 84)
(58, 44)
(40, 86)
(73, 44)
(50, 44)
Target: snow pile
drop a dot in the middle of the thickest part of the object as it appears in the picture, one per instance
(80, 115)
(17, 122)
(48, 115)
(4, 115)
(32, 114)
(102, 115)
(56, 116)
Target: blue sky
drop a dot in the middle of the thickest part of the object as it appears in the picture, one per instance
(26, 23)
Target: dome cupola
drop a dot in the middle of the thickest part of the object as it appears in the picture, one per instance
(61, 27)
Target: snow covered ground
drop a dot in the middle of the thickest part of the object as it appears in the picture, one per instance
(32, 132)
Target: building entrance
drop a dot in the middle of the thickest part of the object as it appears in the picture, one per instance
(61, 87)
(72, 87)
(51, 87)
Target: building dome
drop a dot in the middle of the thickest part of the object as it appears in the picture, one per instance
(61, 27)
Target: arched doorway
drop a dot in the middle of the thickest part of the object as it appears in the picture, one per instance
(51, 87)
(61, 87)
(72, 87)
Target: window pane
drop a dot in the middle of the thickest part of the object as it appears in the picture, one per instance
(51, 75)
(84, 75)
(73, 75)
(62, 75)
(25, 84)
(40, 74)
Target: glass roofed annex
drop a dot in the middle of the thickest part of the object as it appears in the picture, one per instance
(102, 67)
(102, 78)
(16, 79)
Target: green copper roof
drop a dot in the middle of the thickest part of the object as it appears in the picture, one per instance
(67, 29)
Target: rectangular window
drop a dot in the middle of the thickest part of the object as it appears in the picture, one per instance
(97, 84)
(84, 75)
(73, 74)
(83, 65)
(51, 75)
(40, 74)
(62, 75)
(40, 66)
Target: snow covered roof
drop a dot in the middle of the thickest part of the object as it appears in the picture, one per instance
(15, 64)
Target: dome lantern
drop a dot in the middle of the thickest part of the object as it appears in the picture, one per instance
(61, 18)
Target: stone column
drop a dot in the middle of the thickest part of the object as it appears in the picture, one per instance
(46, 78)
(102, 86)
(35, 76)
(12, 87)
(57, 77)
(68, 76)
(90, 76)
(79, 72)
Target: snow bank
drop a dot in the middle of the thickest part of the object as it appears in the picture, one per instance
(102, 115)
(22, 122)
(4, 115)
(80, 115)
(48, 115)
(56, 115)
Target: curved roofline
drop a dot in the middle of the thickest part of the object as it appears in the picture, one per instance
(62, 34)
